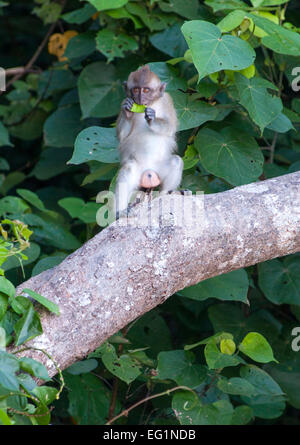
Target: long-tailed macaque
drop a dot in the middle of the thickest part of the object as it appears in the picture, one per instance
(147, 139)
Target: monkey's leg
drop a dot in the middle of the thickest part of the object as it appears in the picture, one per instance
(171, 176)
(127, 182)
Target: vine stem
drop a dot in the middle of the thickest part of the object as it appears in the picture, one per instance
(146, 399)
(113, 401)
(62, 384)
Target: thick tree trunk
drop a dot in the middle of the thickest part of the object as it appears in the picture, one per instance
(126, 270)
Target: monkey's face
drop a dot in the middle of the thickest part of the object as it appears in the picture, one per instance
(142, 95)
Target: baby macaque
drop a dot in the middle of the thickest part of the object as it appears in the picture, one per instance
(147, 139)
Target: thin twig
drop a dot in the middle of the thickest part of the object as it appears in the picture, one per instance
(167, 392)
(36, 54)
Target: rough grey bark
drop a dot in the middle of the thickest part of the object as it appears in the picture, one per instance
(126, 270)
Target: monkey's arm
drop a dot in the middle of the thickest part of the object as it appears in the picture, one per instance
(167, 123)
(123, 126)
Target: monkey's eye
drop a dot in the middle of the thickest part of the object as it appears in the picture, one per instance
(146, 90)
(135, 90)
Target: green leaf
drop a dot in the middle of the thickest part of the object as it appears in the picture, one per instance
(215, 339)
(213, 52)
(4, 165)
(262, 107)
(280, 280)
(11, 180)
(190, 411)
(269, 402)
(186, 9)
(279, 39)
(220, 5)
(231, 286)
(9, 365)
(81, 45)
(124, 367)
(237, 386)
(256, 347)
(47, 263)
(13, 204)
(89, 399)
(28, 327)
(96, 143)
(52, 162)
(102, 5)
(32, 253)
(114, 45)
(34, 368)
(51, 233)
(230, 318)
(45, 394)
(31, 128)
(230, 154)
(82, 367)
(52, 307)
(168, 74)
(62, 126)
(100, 90)
(77, 208)
(192, 113)
(231, 20)
(170, 41)
(242, 415)
(6, 287)
(4, 136)
(281, 124)
(3, 309)
(80, 15)
(151, 331)
(54, 81)
(32, 198)
(4, 419)
(257, 3)
(216, 360)
(178, 365)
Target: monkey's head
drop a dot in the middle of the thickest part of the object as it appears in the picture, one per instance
(144, 86)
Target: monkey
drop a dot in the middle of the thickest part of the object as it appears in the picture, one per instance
(147, 143)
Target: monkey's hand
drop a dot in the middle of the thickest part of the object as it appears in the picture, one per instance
(127, 104)
(149, 115)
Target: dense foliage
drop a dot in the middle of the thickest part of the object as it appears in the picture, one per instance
(219, 352)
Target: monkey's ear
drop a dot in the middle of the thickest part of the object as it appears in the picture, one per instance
(125, 85)
(162, 88)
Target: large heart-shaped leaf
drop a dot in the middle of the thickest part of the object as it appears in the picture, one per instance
(230, 154)
(280, 280)
(114, 45)
(191, 411)
(95, 144)
(100, 90)
(192, 113)
(262, 106)
(279, 39)
(231, 286)
(170, 41)
(213, 52)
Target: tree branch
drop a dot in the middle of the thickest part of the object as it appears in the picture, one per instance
(126, 270)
